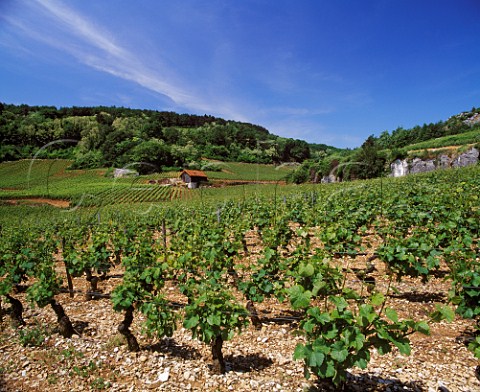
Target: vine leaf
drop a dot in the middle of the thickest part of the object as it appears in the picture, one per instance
(191, 322)
(299, 297)
(391, 314)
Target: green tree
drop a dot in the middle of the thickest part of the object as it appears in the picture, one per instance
(116, 144)
(154, 153)
(292, 150)
(367, 161)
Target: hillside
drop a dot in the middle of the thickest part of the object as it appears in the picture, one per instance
(110, 136)
(374, 157)
(457, 124)
(50, 181)
(451, 141)
(153, 141)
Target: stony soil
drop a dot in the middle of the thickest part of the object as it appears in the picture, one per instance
(257, 360)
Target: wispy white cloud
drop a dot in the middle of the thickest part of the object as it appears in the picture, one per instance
(67, 30)
(110, 57)
(83, 28)
(215, 91)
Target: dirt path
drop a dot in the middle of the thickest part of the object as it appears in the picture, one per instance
(40, 200)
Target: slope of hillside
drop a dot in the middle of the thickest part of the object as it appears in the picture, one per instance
(50, 181)
(110, 136)
(462, 139)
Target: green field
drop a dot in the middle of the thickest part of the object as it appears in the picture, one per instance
(461, 139)
(52, 179)
(236, 171)
(250, 172)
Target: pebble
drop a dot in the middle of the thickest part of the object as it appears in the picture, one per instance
(165, 375)
(184, 364)
(283, 360)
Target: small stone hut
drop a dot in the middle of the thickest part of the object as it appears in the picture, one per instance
(193, 178)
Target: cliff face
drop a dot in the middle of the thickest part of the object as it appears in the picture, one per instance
(403, 167)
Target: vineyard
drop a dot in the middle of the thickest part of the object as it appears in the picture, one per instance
(52, 179)
(370, 285)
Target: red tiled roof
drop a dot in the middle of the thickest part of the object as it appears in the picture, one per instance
(194, 173)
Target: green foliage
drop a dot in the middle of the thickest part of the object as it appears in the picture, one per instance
(474, 346)
(160, 317)
(265, 280)
(126, 295)
(151, 156)
(88, 160)
(465, 275)
(124, 136)
(213, 313)
(17, 257)
(412, 256)
(48, 282)
(299, 176)
(340, 338)
(313, 275)
(143, 279)
(367, 162)
(32, 337)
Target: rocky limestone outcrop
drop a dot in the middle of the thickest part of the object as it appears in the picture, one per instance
(444, 162)
(466, 159)
(403, 167)
(472, 120)
(420, 166)
(399, 168)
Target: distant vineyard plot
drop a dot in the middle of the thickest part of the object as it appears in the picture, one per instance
(251, 172)
(235, 171)
(467, 138)
(52, 179)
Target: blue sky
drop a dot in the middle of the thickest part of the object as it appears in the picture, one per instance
(329, 72)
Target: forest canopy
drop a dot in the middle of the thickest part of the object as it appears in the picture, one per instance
(115, 136)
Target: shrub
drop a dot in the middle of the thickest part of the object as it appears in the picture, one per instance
(31, 337)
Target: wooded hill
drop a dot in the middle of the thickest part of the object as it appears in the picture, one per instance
(113, 136)
(116, 136)
(375, 155)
